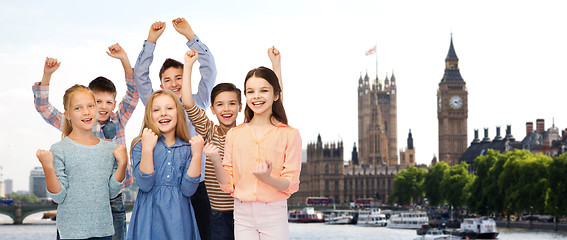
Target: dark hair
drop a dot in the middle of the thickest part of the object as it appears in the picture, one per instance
(169, 63)
(278, 111)
(102, 84)
(225, 87)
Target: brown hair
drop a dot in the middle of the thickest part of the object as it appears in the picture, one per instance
(102, 84)
(278, 111)
(169, 63)
(67, 126)
(181, 130)
(225, 87)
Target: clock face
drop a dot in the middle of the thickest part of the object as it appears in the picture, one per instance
(456, 102)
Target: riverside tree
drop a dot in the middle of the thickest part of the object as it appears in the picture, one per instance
(432, 183)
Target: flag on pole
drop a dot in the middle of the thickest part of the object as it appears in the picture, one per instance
(371, 51)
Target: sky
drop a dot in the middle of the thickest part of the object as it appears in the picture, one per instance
(512, 58)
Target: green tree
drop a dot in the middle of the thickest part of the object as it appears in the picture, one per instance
(479, 191)
(524, 180)
(408, 185)
(556, 201)
(23, 198)
(432, 183)
(454, 185)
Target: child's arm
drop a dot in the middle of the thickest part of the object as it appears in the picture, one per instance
(128, 105)
(117, 52)
(288, 179)
(46, 159)
(117, 178)
(41, 95)
(206, 60)
(142, 159)
(186, 91)
(122, 160)
(190, 180)
(275, 58)
(212, 153)
(142, 67)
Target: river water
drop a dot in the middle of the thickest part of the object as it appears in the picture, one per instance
(37, 229)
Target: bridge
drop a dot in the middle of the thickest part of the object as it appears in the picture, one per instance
(19, 211)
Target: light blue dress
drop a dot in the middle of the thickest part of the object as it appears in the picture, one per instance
(163, 209)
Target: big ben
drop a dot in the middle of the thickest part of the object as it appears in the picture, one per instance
(452, 110)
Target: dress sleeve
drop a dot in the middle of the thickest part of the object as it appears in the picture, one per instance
(142, 71)
(208, 71)
(47, 111)
(227, 164)
(59, 166)
(144, 181)
(292, 161)
(189, 184)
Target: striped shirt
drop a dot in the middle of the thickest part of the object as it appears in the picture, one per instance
(220, 200)
(125, 109)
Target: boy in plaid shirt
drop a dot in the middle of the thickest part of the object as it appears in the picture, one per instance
(110, 126)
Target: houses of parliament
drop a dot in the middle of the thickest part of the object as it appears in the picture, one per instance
(375, 163)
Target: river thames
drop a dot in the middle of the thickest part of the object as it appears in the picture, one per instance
(36, 229)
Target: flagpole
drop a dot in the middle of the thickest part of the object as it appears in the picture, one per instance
(376, 46)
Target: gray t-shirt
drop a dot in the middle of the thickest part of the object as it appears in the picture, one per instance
(86, 174)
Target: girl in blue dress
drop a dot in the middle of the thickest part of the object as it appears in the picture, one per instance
(167, 167)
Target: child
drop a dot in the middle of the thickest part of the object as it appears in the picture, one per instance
(226, 104)
(82, 172)
(262, 161)
(167, 170)
(171, 75)
(110, 126)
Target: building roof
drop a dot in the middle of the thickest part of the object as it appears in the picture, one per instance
(452, 75)
(451, 55)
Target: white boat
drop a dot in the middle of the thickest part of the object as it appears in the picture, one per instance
(371, 218)
(435, 234)
(481, 227)
(341, 217)
(408, 220)
(306, 215)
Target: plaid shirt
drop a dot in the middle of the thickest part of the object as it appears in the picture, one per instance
(125, 109)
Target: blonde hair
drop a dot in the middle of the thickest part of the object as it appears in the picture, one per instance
(181, 130)
(67, 126)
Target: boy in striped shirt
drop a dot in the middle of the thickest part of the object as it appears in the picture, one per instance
(225, 105)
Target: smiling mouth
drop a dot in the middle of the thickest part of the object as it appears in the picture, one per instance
(87, 120)
(164, 121)
(175, 90)
(257, 104)
(226, 115)
(102, 113)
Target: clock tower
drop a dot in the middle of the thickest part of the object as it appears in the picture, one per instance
(452, 110)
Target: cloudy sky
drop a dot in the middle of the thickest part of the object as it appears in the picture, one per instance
(512, 57)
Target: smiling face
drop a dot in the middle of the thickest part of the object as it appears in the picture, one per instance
(226, 108)
(164, 114)
(260, 96)
(82, 111)
(105, 103)
(172, 79)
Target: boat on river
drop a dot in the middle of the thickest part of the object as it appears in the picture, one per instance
(435, 234)
(481, 227)
(340, 217)
(371, 218)
(408, 220)
(305, 215)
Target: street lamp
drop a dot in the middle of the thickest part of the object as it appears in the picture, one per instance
(531, 216)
